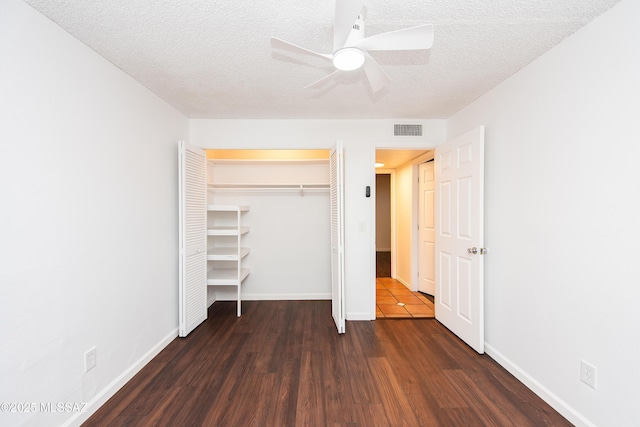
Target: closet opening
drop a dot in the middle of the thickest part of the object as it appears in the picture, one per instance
(287, 246)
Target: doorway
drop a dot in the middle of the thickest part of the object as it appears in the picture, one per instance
(396, 248)
(284, 190)
(383, 225)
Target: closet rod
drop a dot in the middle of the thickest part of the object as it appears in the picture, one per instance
(269, 187)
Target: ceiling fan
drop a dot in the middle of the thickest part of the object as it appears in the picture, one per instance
(351, 48)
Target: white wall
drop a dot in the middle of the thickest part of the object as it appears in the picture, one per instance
(562, 208)
(404, 198)
(88, 246)
(360, 137)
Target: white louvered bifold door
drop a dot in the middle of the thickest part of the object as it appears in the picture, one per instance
(337, 237)
(193, 238)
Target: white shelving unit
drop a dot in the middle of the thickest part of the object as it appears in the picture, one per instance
(225, 252)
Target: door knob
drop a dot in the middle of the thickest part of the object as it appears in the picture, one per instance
(472, 251)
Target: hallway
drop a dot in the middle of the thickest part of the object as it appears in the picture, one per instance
(394, 300)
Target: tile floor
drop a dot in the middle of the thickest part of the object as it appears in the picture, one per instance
(390, 292)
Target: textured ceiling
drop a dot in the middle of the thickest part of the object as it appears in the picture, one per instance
(213, 59)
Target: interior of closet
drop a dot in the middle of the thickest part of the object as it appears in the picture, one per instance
(281, 250)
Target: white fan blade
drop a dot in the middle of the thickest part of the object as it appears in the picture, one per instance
(414, 38)
(346, 14)
(322, 81)
(276, 43)
(378, 79)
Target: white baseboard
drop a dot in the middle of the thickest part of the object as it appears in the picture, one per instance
(401, 280)
(544, 393)
(360, 316)
(101, 398)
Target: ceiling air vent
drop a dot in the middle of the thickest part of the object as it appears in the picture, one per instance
(407, 130)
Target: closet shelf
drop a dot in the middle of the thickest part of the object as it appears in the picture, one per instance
(226, 254)
(226, 276)
(269, 187)
(227, 208)
(227, 231)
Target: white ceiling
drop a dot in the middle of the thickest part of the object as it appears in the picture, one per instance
(213, 59)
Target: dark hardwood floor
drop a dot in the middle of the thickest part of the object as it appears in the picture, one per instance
(283, 364)
(383, 264)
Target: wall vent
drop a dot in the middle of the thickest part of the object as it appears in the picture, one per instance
(407, 130)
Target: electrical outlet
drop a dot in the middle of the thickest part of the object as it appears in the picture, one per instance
(90, 359)
(588, 374)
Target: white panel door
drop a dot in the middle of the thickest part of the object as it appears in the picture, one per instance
(459, 177)
(426, 230)
(192, 238)
(336, 169)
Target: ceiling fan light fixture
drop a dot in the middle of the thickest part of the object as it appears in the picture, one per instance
(348, 59)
